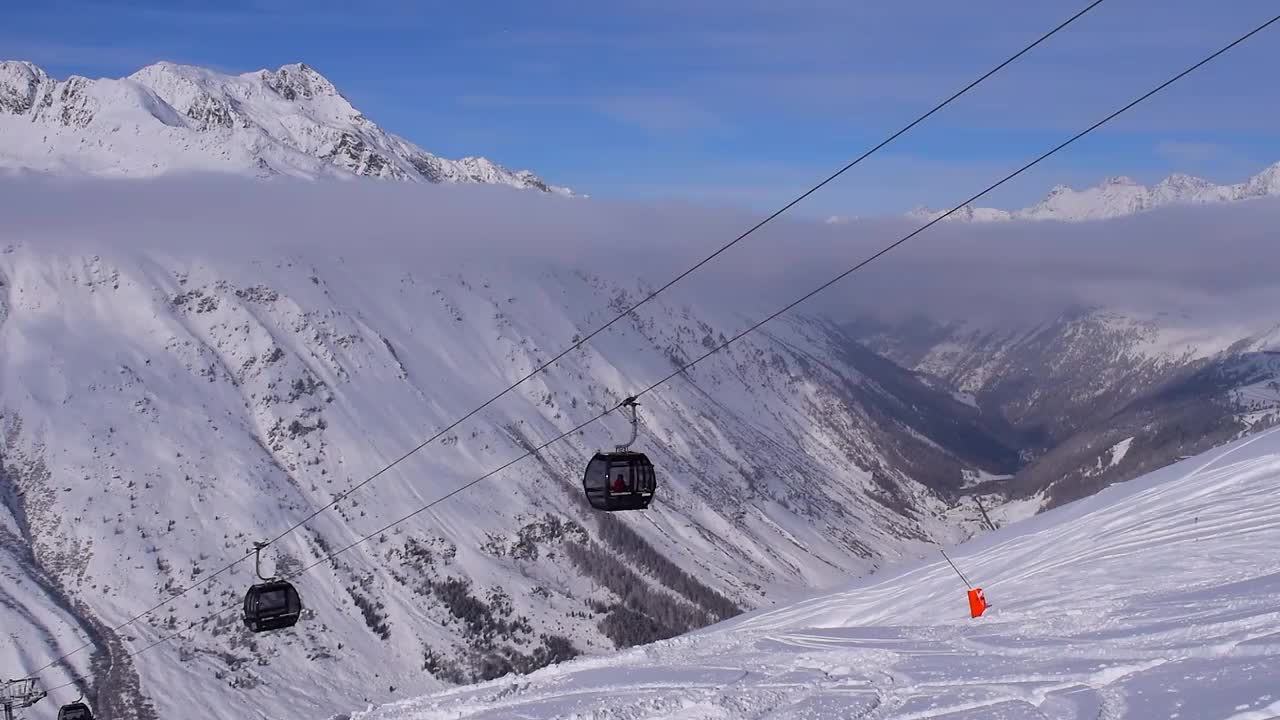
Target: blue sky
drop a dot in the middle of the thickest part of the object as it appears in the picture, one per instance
(740, 103)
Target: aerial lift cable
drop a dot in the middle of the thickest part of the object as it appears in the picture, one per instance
(582, 341)
(687, 366)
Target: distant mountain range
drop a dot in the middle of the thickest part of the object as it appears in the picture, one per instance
(1118, 196)
(169, 118)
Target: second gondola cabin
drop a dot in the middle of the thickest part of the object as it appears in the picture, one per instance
(620, 481)
(272, 605)
(75, 711)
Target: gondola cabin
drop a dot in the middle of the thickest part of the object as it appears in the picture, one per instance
(271, 605)
(619, 481)
(75, 711)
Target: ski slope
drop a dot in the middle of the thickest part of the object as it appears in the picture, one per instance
(1158, 598)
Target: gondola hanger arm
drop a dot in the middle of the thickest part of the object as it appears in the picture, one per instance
(631, 404)
(257, 561)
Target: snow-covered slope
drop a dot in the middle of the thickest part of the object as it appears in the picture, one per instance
(177, 118)
(1152, 599)
(1119, 196)
(163, 409)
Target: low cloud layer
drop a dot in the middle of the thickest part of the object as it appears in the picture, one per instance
(1217, 260)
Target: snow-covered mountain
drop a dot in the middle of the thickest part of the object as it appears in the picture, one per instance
(1152, 599)
(169, 118)
(1078, 386)
(163, 404)
(163, 409)
(1119, 196)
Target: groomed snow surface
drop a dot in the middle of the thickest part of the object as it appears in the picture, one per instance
(1157, 598)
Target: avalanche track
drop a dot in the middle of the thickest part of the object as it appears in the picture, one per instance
(1158, 598)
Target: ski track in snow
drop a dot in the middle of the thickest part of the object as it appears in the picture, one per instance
(1158, 598)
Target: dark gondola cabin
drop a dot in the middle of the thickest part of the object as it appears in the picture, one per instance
(619, 481)
(75, 711)
(271, 605)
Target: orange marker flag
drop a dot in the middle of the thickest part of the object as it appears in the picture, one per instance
(977, 602)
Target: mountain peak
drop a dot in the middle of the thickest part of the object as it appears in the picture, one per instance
(167, 66)
(24, 66)
(165, 72)
(298, 80)
(1264, 183)
(20, 82)
(1182, 182)
(1120, 195)
(185, 118)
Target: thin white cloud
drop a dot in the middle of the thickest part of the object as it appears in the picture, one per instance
(657, 113)
(1189, 152)
(652, 112)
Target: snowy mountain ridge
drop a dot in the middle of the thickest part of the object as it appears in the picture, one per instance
(1119, 196)
(168, 118)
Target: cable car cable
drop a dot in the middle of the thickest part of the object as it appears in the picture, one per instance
(643, 301)
(346, 493)
(753, 327)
